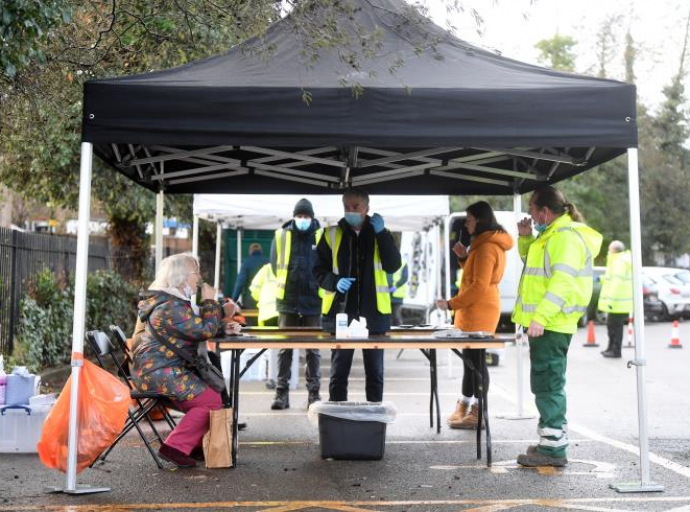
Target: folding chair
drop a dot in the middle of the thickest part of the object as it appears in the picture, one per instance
(146, 401)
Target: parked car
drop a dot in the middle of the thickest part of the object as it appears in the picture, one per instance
(671, 291)
(653, 307)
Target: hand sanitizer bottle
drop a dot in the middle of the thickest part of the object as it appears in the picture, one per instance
(341, 326)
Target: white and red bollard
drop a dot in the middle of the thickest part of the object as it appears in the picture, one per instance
(675, 336)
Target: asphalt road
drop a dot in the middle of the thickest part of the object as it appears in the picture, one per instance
(280, 468)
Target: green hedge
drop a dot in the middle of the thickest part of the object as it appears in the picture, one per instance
(44, 337)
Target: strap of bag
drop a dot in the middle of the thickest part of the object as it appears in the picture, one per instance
(191, 361)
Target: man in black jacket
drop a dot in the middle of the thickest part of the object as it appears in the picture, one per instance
(293, 255)
(354, 278)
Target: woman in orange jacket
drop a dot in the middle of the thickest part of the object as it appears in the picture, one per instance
(477, 305)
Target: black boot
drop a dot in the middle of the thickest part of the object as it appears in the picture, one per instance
(313, 397)
(281, 401)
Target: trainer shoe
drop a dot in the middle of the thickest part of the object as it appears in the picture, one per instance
(313, 397)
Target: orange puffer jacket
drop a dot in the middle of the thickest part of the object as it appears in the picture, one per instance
(477, 305)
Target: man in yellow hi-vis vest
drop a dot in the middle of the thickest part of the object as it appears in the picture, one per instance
(616, 297)
(353, 260)
(554, 292)
(293, 256)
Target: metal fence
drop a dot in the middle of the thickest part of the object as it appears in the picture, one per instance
(23, 255)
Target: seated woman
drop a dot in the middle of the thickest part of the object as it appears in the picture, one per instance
(167, 309)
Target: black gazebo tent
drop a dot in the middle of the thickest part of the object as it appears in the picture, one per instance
(454, 119)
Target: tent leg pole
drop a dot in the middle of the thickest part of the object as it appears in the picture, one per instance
(216, 275)
(644, 485)
(159, 229)
(519, 338)
(80, 275)
(195, 236)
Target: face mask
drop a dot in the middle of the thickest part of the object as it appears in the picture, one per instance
(187, 291)
(354, 219)
(539, 227)
(302, 224)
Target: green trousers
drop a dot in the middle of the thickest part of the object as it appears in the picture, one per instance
(548, 357)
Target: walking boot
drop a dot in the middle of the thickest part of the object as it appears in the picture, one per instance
(536, 459)
(469, 422)
(610, 353)
(281, 401)
(461, 410)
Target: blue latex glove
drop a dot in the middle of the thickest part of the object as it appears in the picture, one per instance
(377, 222)
(392, 289)
(344, 284)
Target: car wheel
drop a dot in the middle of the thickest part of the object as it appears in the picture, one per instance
(665, 314)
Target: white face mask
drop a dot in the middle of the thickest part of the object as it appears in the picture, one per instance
(187, 291)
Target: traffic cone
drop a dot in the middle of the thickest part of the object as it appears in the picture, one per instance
(629, 341)
(675, 337)
(591, 339)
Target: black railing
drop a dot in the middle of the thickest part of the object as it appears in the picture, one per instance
(23, 255)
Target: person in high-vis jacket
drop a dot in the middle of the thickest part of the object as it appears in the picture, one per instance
(293, 256)
(264, 289)
(353, 260)
(616, 296)
(397, 286)
(554, 292)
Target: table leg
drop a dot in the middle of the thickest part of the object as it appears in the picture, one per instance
(234, 397)
(435, 389)
(485, 405)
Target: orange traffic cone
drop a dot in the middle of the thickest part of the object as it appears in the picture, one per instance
(675, 337)
(591, 339)
(629, 341)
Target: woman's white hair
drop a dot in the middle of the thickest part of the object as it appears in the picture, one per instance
(174, 271)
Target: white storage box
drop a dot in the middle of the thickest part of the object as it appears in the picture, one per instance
(20, 428)
(258, 370)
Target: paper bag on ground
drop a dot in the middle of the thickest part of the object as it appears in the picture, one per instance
(218, 440)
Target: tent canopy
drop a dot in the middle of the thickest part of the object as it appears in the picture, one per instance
(456, 119)
(401, 213)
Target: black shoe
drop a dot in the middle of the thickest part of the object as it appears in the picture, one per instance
(313, 397)
(281, 401)
(176, 457)
(610, 353)
(197, 454)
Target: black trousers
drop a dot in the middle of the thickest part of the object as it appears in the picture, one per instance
(341, 363)
(312, 373)
(470, 380)
(396, 314)
(615, 324)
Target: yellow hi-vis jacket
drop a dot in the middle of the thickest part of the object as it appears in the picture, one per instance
(383, 297)
(401, 291)
(264, 289)
(283, 246)
(616, 285)
(557, 280)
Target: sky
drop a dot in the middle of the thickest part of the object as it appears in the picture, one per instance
(513, 27)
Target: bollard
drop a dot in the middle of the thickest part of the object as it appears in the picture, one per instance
(675, 337)
(591, 339)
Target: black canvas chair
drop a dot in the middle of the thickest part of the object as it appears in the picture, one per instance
(146, 402)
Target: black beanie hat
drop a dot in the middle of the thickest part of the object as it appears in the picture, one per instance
(303, 207)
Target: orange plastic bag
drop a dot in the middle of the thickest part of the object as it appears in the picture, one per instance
(102, 405)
